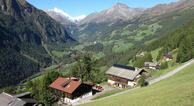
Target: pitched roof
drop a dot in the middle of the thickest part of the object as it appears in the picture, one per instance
(67, 85)
(9, 100)
(168, 56)
(126, 73)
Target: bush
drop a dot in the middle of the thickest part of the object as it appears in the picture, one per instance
(142, 82)
(164, 65)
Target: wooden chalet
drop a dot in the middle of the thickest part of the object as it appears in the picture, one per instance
(123, 76)
(72, 89)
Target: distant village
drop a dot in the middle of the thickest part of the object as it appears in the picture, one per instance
(73, 90)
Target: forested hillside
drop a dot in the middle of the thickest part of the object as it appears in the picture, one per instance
(25, 32)
(181, 39)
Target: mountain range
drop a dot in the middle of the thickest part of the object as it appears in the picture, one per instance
(117, 12)
(93, 29)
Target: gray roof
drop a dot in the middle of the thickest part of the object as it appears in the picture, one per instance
(9, 100)
(16, 100)
(5, 99)
(123, 72)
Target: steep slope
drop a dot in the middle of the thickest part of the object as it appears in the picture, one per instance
(24, 32)
(181, 39)
(69, 22)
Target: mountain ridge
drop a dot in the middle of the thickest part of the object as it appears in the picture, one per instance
(119, 11)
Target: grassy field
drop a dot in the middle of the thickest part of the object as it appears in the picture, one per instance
(147, 31)
(174, 91)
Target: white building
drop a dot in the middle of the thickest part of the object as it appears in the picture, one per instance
(123, 76)
(72, 88)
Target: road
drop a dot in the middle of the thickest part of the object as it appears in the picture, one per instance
(153, 81)
(171, 73)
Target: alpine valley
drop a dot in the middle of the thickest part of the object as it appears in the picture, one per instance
(37, 46)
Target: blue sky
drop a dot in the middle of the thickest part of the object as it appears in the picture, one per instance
(85, 7)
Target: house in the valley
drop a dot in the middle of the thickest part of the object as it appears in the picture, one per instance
(123, 76)
(168, 57)
(152, 65)
(73, 89)
(23, 99)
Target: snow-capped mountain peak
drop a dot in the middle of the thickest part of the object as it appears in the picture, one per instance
(79, 18)
(61, 13)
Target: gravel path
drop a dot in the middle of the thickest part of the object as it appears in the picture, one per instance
(153, 81)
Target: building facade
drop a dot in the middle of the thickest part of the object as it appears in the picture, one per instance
(123, 76)
(72, 90)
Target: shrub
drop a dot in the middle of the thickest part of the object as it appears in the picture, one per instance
(142, 82)
(164, 65)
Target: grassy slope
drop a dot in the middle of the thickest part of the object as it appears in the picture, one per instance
(175, 91)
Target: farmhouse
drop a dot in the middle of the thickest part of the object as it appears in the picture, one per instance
(168, 57)
(23, 99)
(123, 76)
(72, 89)
(152, 65)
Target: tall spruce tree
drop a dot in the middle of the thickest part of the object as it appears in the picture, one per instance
(185, 51)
